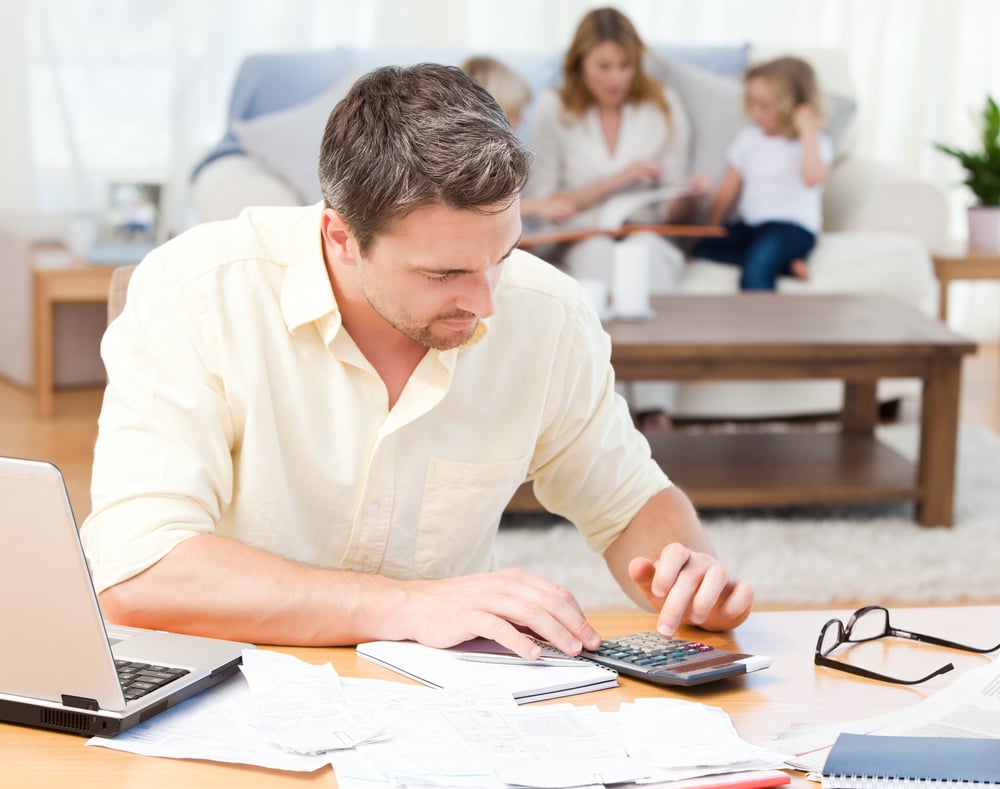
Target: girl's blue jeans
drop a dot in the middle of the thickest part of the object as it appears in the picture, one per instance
(764, 252)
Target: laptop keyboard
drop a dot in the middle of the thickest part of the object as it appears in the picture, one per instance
(138, 679)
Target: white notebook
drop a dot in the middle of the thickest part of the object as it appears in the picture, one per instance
(446, 668)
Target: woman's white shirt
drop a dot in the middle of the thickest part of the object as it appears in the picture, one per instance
(572, 152)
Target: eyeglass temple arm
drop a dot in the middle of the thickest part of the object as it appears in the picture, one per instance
(819, 660)
(941, 642)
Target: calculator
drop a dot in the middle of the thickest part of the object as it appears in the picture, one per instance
(672, 661)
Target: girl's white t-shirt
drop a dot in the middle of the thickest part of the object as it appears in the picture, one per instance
(773, 189)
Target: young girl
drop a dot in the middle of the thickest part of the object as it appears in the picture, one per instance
(777, 167)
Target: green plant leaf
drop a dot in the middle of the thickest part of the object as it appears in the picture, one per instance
(982, 167)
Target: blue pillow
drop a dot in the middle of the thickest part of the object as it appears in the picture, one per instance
(727, 61)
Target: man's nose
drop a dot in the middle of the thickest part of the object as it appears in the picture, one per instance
(478, 296)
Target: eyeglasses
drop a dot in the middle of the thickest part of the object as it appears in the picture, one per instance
(868, 624)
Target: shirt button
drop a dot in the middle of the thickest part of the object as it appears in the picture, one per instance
(357, 568)
(372, 508)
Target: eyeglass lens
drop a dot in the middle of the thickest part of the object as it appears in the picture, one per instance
(867, 623)
(830, 637)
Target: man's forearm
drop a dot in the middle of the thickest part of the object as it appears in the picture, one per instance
(667, 517)
(212, 586)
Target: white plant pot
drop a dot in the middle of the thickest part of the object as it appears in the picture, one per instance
(984, 228)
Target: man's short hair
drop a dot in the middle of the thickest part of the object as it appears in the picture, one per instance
(403, 138)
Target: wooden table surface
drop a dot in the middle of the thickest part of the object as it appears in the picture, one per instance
(791, 691)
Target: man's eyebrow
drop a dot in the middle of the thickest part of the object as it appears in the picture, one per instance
(455, 271)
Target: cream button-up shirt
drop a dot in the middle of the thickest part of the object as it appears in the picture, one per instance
(237, 404)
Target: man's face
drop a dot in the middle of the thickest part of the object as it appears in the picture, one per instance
(433, 275)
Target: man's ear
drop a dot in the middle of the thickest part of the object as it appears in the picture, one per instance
(337, 239)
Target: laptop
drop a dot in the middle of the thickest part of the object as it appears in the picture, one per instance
(60, 664)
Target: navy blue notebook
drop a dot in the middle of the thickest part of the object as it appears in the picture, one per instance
(870, 761)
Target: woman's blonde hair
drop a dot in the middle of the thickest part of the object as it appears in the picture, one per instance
(598, 26)
(502, 82)
(794, 83)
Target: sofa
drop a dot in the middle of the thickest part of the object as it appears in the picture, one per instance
(879, 224)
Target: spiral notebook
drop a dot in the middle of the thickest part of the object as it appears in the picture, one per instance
(873, 761)
(452, 668)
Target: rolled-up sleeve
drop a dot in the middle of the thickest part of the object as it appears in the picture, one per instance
(591, 465)
(162, 462)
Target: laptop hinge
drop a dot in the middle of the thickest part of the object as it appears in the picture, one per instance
(80, 702)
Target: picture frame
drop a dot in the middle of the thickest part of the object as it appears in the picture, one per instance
(133, 213)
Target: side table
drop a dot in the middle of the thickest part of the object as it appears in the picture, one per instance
(956, 264)
(78, 283)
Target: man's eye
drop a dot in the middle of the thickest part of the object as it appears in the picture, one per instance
(438, 277)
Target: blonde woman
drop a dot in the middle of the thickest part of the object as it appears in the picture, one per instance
(777, 166)
(611, 128)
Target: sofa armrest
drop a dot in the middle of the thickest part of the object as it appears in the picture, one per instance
(862, 194)
(227, 185)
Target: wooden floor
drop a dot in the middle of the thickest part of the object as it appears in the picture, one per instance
(67, 438)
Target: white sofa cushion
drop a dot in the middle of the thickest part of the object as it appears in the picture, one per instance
(844, 262)
(287, 141)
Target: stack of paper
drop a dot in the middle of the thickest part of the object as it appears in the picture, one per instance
(290, 715)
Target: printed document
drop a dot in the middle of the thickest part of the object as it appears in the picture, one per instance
(616, 210)
(968, 707)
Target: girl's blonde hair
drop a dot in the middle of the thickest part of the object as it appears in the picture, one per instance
(501, 82)
(794, 83)
(598, 26)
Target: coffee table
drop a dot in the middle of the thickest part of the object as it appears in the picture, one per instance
(855, 338)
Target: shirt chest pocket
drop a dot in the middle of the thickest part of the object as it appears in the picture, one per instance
(459, 514)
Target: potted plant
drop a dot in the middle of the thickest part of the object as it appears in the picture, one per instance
(982, 176)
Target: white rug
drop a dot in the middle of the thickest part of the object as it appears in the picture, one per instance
(842, 556)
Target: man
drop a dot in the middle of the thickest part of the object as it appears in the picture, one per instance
(315, 416)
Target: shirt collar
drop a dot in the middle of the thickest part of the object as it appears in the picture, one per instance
(306, 293)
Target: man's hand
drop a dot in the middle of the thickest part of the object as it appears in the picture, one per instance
(497, 605)
(688, 586)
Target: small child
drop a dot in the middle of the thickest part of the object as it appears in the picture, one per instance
(504, 84)
(513, 94)
(777, 167)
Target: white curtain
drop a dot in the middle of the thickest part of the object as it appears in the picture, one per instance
(16, 190)
(101, 90)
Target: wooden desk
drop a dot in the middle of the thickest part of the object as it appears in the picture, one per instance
(855, 338)
(792, 691)
(77, 283)
(956, 264)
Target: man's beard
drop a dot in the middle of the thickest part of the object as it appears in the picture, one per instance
(423, 333)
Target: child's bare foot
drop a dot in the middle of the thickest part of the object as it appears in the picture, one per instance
(800, 270)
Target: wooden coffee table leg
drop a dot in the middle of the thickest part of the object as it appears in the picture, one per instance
(43, 349)
(860, 412)
(938, 442)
